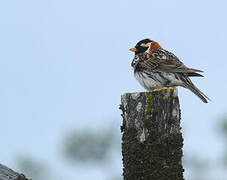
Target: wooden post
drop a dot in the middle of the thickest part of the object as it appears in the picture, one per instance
(152, 141)
(8, 174)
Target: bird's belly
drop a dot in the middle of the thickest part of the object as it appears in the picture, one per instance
(149, 82)
(154, 80)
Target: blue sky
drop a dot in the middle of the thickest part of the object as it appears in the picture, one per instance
(64, 64)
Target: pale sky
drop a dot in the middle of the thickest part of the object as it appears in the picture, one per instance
(65, 64)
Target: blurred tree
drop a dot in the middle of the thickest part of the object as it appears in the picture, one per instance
(32, 168)
(222, 130)
(102, 146)
(99, 148)
(201, 169)
(88, 145)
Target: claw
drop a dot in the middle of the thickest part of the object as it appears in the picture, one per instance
(171, 88)
(162, 89)
(157, 89)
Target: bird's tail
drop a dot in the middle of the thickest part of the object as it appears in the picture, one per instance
(189, 85)
(198, 93)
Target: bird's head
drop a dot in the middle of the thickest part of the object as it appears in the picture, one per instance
(145, 45)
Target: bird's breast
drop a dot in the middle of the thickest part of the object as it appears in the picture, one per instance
(149, 81)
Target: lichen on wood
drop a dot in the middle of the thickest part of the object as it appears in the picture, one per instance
(152, 141)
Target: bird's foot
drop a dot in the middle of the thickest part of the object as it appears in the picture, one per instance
(164, 91)
(157, 89)
(165, 88)
(171, 88)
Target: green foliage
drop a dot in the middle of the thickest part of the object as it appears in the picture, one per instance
(88, 145)
(222, 128)
(223, 125)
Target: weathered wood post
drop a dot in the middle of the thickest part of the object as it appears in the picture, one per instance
(152, 141)
(8, 174)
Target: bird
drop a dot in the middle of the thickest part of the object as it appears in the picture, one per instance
(155, 67)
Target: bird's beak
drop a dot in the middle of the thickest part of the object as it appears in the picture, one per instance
(133, 49)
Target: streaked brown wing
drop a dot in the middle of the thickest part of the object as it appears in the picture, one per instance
(170, 63)
(148, 62)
